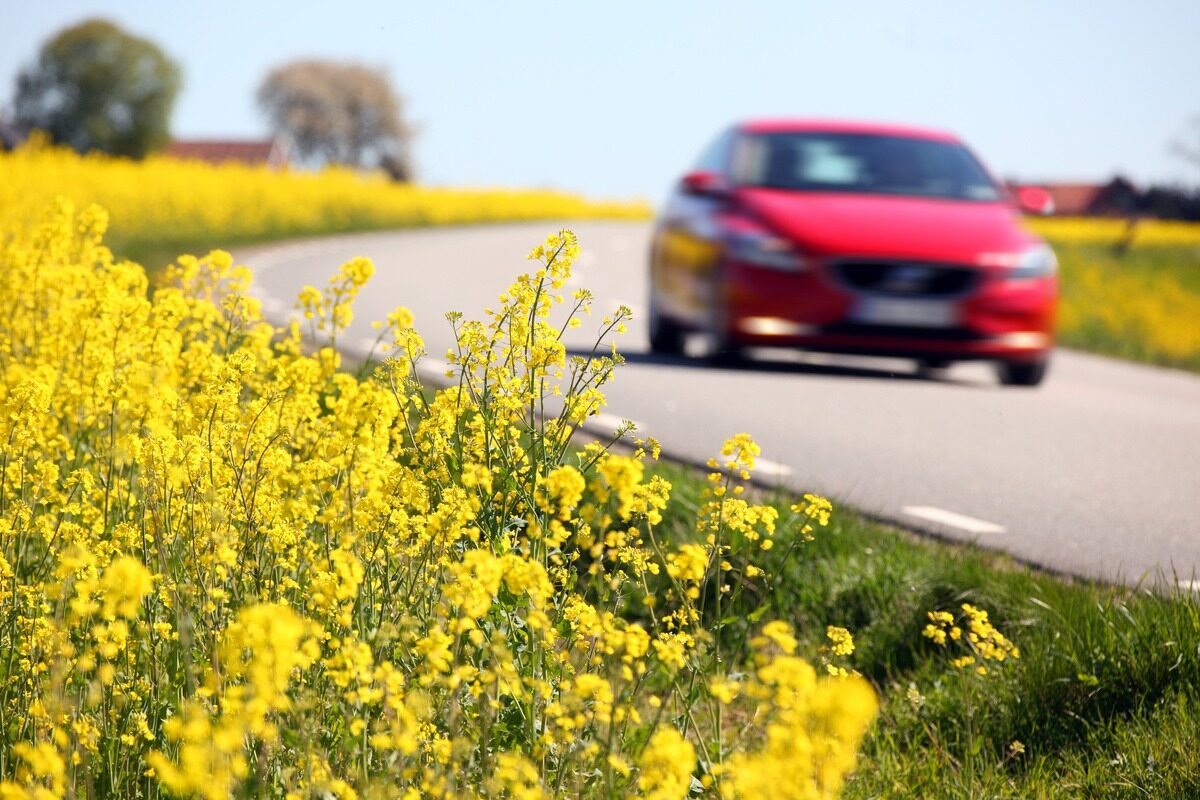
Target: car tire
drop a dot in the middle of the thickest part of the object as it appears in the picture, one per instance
(723, 351)
(1022, 373)
(932, 369)
(724, 354)
(666, 336)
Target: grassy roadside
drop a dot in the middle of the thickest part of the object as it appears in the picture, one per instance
(1103, 700)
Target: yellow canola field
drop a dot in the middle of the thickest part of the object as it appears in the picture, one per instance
(1145, 306)
(1095, 230)
(176, 200)
(1129, 292)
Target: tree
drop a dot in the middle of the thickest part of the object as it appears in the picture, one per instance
(338, 113)
(1187, 146)
(96, 87)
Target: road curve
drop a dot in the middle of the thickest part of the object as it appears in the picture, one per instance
(1095, 473)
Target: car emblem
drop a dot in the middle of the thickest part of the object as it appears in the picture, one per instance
(905, 279)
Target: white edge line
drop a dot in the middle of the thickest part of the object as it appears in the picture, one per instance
(433, 366)
(764, 467)
(952, 519)
(272, 305)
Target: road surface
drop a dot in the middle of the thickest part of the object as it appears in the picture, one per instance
(1095, 473)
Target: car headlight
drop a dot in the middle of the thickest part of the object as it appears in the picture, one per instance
(1036, 262)
(766, 250)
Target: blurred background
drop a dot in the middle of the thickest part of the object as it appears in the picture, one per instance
(616, 99)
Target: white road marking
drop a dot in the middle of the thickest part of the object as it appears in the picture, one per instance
(611, 423)
(953, 519)
(273, 305)
(282, 255)
(763, 468)
(275, 257)
(1192, 585)
(433, 367)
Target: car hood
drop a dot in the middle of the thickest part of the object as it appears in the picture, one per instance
(834, 224)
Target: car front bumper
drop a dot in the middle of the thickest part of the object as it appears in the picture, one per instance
(997, 319)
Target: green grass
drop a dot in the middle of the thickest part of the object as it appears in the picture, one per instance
(156, 253)
(1104, 697)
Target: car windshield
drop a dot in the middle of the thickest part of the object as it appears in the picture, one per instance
(862, 163)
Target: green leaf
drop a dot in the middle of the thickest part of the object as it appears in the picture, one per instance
(757, 614)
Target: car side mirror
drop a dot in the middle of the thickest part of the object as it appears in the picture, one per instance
(1035, 200)
(704, 183)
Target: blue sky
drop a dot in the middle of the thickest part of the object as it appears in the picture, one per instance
(616, 98)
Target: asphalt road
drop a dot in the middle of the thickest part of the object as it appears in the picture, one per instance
(1095, 473)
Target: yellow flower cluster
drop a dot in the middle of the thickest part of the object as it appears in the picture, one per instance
(841, 646)
(983, 641)
(232, 569)
(189, 201)
(841, 642)
(811, 722)
(664, 766)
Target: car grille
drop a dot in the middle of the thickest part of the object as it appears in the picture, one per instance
(906, 279)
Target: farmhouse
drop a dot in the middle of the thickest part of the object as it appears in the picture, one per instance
(1117, 198)
(271, 152)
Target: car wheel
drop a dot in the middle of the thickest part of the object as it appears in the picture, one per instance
(725, 354)
(723, 350)
(932, 368)
(1022, 373)
(666, 337)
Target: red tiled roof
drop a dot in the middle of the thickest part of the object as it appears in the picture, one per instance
(1073, 199)
(218, 151)
(1117, 197)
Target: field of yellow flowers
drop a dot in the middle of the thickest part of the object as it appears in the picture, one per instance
(229, 568)
(1129, 291)
(163, 206)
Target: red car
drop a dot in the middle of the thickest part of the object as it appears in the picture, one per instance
(853, 238)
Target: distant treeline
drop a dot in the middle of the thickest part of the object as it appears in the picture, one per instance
(1170, 202)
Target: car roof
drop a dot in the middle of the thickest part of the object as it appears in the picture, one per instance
(771, 125)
